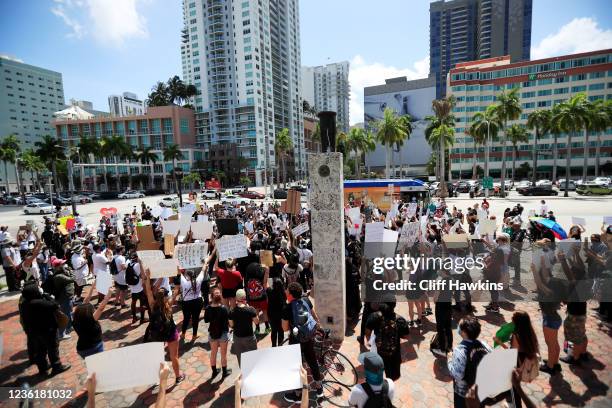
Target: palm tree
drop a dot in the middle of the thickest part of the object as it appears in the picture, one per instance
(360, 141)
(282, 146)
(104, 153)
(554, 129)
(147, 157)
(159, 95)
(507, 108)
(10, 150)
(573, 115)
(116, 147)
(516, 134)
(391, 130)
(176, 90)
(173, 153)
(33, 164)
(50, 151)
(539, 121)
(485, 127)
(89, 147)
(600, 120)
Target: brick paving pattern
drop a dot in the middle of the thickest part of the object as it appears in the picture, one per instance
(424, 383)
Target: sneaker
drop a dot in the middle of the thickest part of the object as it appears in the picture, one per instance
(60, 369)
(65, 337)
(491, 308)
(546, 369)
(428, 311)
(418, 323)
(320, 392)
(292, 397)
(411, 323)
(226, 372)
(569, 360)
(180, 379)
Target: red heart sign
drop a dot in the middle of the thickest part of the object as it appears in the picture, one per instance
(108, 212)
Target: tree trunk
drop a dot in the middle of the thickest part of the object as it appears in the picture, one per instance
(8, 186)
(356, 164)
(278, 169)
(555, 154)
(174, 176)
(284, 171)
(568, 158)
(117, 175)
(152, 176)
(535, 158)
(129, 176)
(105, 175)
(20, 189)
(54, 175)
(442, 168)
(586, 155)
(474, 161)
(597, 150)
(388, 162)
(514, 153)
(503, 168)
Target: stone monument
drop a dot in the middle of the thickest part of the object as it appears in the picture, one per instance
(326, 201)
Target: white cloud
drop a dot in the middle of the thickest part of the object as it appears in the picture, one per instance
(363, 73)
(579, 35)
(110, 22)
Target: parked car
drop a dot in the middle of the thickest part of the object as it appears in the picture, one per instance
(590, 187)
(571, 186)
(237, 189)
(209, 194)
(131, 194)
(544, 182)
(38, 208)
(90, 194)
(233, 200)
(603, 181)
(61, 200)
(253, 195)
(537, 191)
(168, 202)
(280, 194)
(299, 187)
(463, 187)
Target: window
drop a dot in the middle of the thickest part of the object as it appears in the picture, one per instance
(580, 88)
(579, 77)
(545, 92)
(596, 87)
(560, 91)
(184, 124)
(543, 104)
(528, 105)
(530, 94)
(599, 74)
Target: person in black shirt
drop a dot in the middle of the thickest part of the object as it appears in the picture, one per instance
(87, 327)
(517, 236)
(217, 315)
(241, 319)
(276, 303)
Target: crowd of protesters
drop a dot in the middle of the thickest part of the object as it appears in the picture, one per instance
(242, 300)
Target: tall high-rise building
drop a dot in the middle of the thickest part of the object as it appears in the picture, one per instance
(244, 59)
(126, 104)
(467, 30)
(326, 88)
(28, 97)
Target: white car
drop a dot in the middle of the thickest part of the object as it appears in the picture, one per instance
(209, 194)
(38, 208)
(523, 184)
(602, 181)
(131, 194)
(233, 200)
(544, 183)
(169, 202)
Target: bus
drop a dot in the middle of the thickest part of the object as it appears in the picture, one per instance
(382, 192)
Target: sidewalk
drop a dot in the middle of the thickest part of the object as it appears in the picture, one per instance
(424, 382)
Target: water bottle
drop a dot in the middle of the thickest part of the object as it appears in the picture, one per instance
(295, 331)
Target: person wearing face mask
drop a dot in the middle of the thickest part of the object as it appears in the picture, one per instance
(376, 390)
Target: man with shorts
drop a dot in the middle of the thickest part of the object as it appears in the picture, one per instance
(119, 278)
(137, 290)
(231, 281)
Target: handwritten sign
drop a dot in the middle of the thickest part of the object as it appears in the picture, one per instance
(150, 256)
(171, 227)
(300, 229)
(411, 211)
(115, 369)
(374, 231)
(409, 233)
(190, 256)
(163, 268)
(486, 226)
(232, 246)
(266, 258)
(202, 229)
(169, 244)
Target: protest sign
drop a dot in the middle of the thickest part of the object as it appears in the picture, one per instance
(150, 256)
(145, 233)
(281, 363)
(411, 212)
(266, 258)
(156, 211)
(188, 209)
(169, 244)
(190, 256)
(70, 224)
(108, 212)
(126, 367)
(184, 224)
(300, 229)
(104, 281)
(486, 226)
(569, 246)
(227, 226)
(171, 227)
(409, 233)
(232, 246)
(455, 240)
(355, 215)
(166, 213)
(578, 221)
(293, 203)
(202, 229)
(494, 374)
(62, 230)
(163, 268)
(374, 231)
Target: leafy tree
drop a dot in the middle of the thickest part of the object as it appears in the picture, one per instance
(601, 116)
(360, 141)
(147, 157)
(173, 153)
(440, 133)
(391, 131)
(159, 96)
(10, 150)
(539, 122)
(516, 134)
(484, 128)
(507, 108)
(51, 151)
(283, 145)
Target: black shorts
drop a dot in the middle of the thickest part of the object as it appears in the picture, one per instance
(120, 286)
(139, 295)
(229, 293)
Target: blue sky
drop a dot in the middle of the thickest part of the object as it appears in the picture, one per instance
(104, 47)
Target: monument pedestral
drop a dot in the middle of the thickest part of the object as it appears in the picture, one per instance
(326, 201)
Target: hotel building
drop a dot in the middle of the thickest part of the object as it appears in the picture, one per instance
(543, 83)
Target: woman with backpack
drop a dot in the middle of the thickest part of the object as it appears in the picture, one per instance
(217, 317)
(256, 286)
(161, 325)
(134, 281)
(192, 303)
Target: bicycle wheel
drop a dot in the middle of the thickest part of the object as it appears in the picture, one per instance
(339, 367)
(335, 393)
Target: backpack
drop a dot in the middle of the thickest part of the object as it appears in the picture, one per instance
(377, 399)
(293, 257)
(386, 340)
(475, 353)
(113, 266)
(255, 289)
(131, 278)
(303, 320)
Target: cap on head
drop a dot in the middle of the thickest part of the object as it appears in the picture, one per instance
(240, 295)
(374, 367)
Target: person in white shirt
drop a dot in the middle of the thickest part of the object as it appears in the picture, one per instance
(79, 266)
(191, 293)
(101, 260)
(376, 383)
(119, 278)
(137, 290)
(543, 211)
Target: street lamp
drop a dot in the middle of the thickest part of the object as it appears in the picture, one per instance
(178, 172)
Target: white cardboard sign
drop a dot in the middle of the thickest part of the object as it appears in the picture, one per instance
(578, 221)
(412, 207)
(486, 226)
(126, 367)
(163, 268)
(202, 229)
(232, 246)
(104, 281)
(190, 256)
(170, 227)
(410, 232)
(300, 229)
(280, 363)
(494, 374)
(147, 256)
(374, 231)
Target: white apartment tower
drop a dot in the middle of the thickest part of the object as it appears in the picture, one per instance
(327, 88)
(243, 56)
(126, 104)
